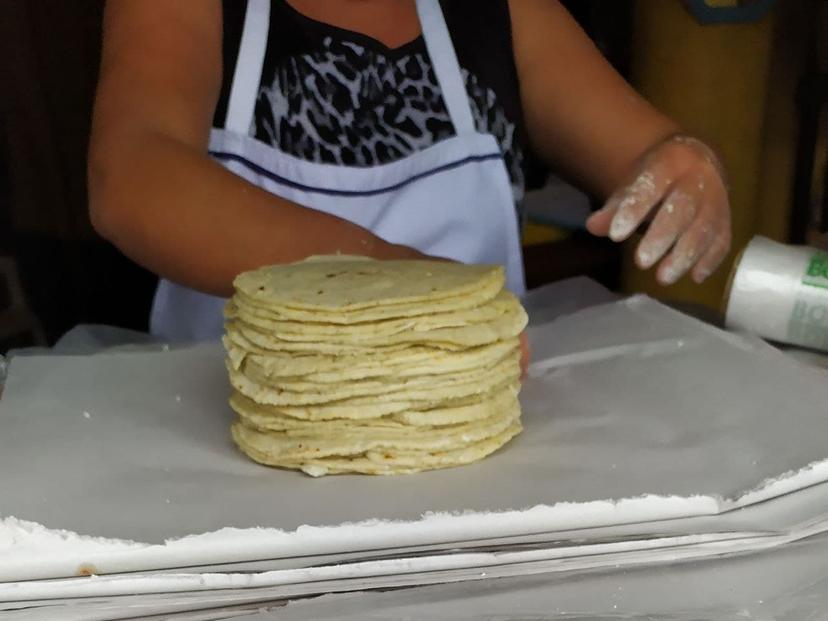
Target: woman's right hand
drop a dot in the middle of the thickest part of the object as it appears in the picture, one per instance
(525, 355)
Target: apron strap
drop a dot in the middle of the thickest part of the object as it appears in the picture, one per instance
(447, 69)
(248, 74)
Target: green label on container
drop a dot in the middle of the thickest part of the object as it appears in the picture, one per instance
(809, 324)
(817, 273)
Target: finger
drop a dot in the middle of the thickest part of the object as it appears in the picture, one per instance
(638, 199)
(674, 216)
(691, 246)
(599, 222)
(713, 258)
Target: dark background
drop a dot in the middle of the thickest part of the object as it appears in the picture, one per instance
(49, 55)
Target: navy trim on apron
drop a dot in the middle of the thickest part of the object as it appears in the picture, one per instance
(259, 170)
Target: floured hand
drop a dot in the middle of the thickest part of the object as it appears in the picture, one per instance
(679, 185)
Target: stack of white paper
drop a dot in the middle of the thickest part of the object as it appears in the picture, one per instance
(645, 434)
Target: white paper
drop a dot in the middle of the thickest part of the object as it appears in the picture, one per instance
(805, 508)
(629, 399)
(787, 583)
(653, 564)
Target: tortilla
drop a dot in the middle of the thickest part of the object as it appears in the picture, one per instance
(502, 304)
(506, 370)
(344, 285)
(346, 364)
(297, 445)
(506, 319)
(367, 407)
(268, 418)
(387, 462)
(323, 369)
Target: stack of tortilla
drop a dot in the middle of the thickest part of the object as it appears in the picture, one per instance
(349, 365)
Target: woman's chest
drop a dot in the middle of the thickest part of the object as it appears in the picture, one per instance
(393, 23)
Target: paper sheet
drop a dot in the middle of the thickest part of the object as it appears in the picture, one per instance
(784, 584)
(672, 587)
(629, 399)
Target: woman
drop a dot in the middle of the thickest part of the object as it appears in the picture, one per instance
(228, 136)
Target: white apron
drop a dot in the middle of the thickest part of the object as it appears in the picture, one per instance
(451, 200)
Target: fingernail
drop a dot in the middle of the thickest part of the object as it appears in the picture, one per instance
(621, 227)
(606, 214)
(670, 276)
(651, 250)
(646, 258)
(701, 276)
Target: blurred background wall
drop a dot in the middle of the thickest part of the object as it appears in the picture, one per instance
(49, 55)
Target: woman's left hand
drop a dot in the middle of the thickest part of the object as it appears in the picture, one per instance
(680, 184)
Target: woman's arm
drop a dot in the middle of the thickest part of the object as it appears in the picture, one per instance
(154, 191)
(585, 120)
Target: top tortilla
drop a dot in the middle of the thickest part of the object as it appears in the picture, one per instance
(343, 285)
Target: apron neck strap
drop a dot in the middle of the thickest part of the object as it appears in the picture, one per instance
(248, 74)
(446, 67)
(253, 46)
